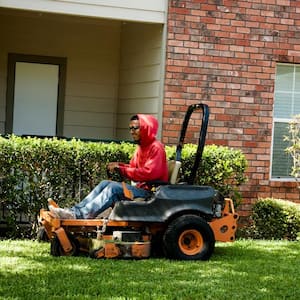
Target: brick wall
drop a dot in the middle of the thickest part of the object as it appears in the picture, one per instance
(224, 53)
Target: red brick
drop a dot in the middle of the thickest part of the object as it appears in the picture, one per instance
(231, 66)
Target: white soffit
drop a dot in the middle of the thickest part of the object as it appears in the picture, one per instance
(150, 11)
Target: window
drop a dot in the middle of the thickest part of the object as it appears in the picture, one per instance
(286, 105)
(35, 95)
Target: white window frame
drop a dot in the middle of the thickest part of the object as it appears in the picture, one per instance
(282, 120)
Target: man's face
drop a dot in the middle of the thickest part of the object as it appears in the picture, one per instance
(134, 127)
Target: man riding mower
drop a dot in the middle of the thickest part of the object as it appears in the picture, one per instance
(180, 220)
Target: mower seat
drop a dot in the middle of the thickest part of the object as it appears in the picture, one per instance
(173, 167)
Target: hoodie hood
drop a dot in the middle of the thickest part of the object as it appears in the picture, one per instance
(148, 129)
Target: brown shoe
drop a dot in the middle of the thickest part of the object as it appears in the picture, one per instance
(52, 211)
(52, 203)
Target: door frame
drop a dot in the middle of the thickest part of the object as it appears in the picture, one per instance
(13, 58)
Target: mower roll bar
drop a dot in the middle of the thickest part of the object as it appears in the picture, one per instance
(201, 140)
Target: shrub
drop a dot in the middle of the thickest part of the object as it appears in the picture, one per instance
(275, 219)
(221, 167)
(34, 169)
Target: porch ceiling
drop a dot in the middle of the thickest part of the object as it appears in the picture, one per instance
(153, 11)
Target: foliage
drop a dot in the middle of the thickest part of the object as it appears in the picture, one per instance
(245, 269)
(34, 169)
(294, 149)
(275, 219)
(221, 167)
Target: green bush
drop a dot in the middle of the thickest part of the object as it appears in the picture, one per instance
(221, 167)
(275, 219)
(34, 169)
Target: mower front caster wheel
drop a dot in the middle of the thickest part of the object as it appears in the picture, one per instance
(57, 249)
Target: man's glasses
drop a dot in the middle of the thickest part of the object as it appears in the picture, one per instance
(134, 127)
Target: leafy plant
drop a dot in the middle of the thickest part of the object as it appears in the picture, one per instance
(294, 149)
(34, 169)
(275, 219)
(221, 167)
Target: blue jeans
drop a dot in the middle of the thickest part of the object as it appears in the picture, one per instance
(104, 195)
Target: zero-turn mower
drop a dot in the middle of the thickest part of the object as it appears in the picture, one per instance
(180, 220)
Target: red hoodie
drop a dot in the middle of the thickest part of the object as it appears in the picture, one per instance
(149, 161)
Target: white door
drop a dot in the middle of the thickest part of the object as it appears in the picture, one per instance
(35, 99)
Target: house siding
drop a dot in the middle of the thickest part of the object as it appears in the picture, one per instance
(3, 80)
(113, 68)
(2, 104)
(224, 53)
(140, 73)
(92, 67)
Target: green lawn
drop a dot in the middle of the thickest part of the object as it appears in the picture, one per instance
(242, 270)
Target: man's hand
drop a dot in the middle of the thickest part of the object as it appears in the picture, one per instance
(112, 166)
(113, 172)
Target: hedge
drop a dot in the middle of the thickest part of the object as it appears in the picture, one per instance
(275, 219)
(34, 169)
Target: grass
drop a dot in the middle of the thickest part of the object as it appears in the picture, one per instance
(245, 269)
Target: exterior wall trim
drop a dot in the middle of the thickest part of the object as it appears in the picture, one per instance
(139, 11)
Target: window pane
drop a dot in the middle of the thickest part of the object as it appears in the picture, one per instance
(281, 161)
(35, 102)
(283, 105)
(284, 78)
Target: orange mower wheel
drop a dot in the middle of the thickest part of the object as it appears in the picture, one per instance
(189, 237)
(190, 242)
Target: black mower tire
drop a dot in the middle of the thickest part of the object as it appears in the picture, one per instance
(41, 235)
(56, 248)
(189, 237)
